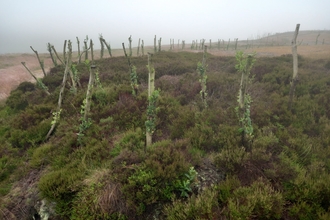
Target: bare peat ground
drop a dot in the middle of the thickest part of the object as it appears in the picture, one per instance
(12, 72)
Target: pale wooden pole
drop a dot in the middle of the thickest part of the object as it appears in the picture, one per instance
(142, 47)
(236, 43)
(90, 82)
(133, 74)
(78, 42)
(38, 81)
(151, 84)
(138, 49)
(60, 96)
(151, 88)
(86, 51)
(295, 66)
(242, 91)
(74, 83)
(64, 50)
(155, 45)
(130, 45)
(57, 55)
(203, 78)
(159, 44)
(128, 59)
(108, 46)
(49, 48)
(102, 46)
(317, 38)
(244, 80)
(40, 62)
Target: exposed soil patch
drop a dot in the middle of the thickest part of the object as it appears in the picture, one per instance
(12, 72)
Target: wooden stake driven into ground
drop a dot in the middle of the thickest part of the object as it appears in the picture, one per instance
(155, 47)
(295, 66)
(142, 47)
(133, 74)
(38, 81)
(57, 55)
(243, 85)
(128, 59)
(64, 50)
(40, 62)
(130, 45)
(85, 51)
(138, 49)
(90, 83)
(74, 83)
(244, 66)
(236, 43)
(78, 42)
(317, 38)
(102, 46)
(203, 77)
(108, 46)
(151, 88)
(49, 48)
(159, 44)
(60, 96)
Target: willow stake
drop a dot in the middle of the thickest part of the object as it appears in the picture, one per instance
(60, 96)
(40, 61)
(295, 66)
(152, 98)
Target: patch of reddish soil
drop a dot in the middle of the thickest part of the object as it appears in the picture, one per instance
(12, 72)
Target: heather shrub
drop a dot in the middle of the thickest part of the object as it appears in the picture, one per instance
(17, 100)
(32, 136)
(26, 87)
(127, 112)
(308, 192)
(202, 137)
(54, 79)
(159, 178)
(61, 187)
(132, 140)
(200, 206)
(100, 198)
(7, 166)
(231, 159)
(181, 122)
(258, 200)
(226, 188)
(41, 156)
(168, 160)
(264, 145)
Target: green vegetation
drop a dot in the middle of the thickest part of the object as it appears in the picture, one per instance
(201, 69)
(99, 167)
(244, 66)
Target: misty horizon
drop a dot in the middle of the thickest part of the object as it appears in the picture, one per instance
(36, 23)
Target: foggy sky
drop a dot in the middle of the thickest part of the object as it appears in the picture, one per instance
(25, 23)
